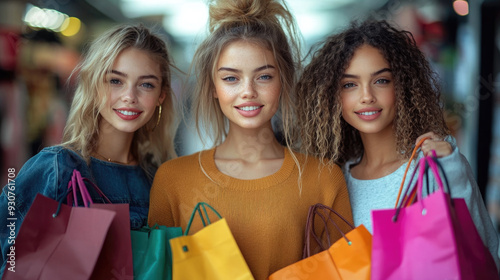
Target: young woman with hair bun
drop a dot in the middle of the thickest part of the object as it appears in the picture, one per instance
(245, 71)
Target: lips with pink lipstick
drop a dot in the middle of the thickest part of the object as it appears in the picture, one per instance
(368, 114)
(128, 114)
(249, 109)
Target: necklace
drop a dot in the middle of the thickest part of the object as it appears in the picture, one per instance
(114, 161)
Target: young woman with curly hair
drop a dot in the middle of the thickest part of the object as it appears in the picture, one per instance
(245, 70)
(117, 133)
(367, 96)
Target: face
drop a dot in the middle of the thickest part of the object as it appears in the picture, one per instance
(367, 92)
(134, 91)
(247, 85)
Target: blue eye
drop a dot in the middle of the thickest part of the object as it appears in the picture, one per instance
(114, 81)
(148, 85)
(265, 77)
(229, 79)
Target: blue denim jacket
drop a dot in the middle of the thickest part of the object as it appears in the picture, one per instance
(49, 172)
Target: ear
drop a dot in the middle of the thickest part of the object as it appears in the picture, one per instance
(162, 97)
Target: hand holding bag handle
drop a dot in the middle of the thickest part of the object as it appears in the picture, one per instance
(413, 154)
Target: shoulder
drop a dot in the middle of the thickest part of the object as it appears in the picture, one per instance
(312, 165)
(56, 156)
(182, 163)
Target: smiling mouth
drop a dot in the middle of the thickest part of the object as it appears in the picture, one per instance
(249, 108)
(127, 113)
(368, 113)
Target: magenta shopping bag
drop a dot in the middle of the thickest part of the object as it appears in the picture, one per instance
(434, 238)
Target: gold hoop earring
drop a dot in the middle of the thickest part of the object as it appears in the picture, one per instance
(159, 117)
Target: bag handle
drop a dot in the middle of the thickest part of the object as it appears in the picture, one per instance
(77, 183)
(419, 144)
(314, 210)
(424, 165)
(435, 166)
(197, 209)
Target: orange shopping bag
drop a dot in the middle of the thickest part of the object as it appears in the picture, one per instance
(347, 258)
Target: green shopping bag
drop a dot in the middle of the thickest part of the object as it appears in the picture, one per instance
(151, 252)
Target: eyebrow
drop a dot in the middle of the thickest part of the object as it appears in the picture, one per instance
(239, 71)
(373, 74)
(140, 77)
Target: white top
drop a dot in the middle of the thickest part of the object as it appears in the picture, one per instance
(381, 193)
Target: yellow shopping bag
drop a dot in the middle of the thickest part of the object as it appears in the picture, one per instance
(211, 253)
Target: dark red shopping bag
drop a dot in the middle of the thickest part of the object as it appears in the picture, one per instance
(115, 260)
(57, 241)
(91, 242)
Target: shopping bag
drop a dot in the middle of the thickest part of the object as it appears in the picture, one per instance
(115, 260)
(209, 254)
(57, 241)
(347, 258)
(151, 252)
(432, 238)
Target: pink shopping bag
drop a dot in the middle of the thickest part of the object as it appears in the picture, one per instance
(434, 238)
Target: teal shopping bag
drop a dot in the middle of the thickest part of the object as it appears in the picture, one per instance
(151, 252)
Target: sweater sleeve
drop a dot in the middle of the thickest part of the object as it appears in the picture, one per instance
(463, 185)
(159, 207)
(341, 203)
(335, 182)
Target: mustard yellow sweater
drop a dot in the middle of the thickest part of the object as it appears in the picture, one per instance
(267, 216)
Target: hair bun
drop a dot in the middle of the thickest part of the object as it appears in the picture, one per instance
(231, 12)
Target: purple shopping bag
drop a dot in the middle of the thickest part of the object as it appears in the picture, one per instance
(434, 238)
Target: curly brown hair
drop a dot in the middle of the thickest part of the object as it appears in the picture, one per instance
(323, 131)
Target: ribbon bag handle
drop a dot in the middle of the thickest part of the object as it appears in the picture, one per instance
(198, 209)
(314, 211)
(426, 165)
(419, 144)
(77, 184)
(435, 167)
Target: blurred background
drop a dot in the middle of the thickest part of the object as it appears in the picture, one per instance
(41, 42)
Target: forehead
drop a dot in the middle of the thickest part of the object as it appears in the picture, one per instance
(243, 53)
(134, 60)
(367, 58)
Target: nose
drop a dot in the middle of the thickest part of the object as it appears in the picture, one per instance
(367, 96)
(248, 90)
(129, 95)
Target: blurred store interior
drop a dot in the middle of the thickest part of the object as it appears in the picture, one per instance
(41, 42)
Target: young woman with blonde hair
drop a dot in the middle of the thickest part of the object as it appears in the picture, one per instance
(120, 128)
(245, 72)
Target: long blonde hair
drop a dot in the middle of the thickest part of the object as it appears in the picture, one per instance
(151, 147)
(265, 22)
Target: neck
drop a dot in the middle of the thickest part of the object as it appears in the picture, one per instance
(379, 149)
(114, 146)
(250, 145)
